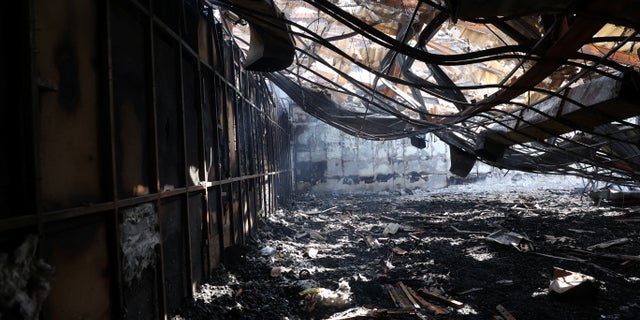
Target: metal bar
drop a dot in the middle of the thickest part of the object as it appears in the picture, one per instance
(154, 105)
(203, 158)
(263, 165)
(624, 58)
(162, 26)
(185, 216)
(18, 222)
(245, 129)
(251, 189)
(113, 222)
(162, 308)
(218, 102)
(205, 94)
(240, 147)
(230, 92)
(606, 100)
(580, 31)
(251, 103)
(33, 115)
(254, 137)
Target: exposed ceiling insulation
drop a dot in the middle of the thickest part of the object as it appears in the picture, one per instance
(537, 86)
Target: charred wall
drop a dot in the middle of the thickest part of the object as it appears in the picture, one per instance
(135, 149)
(329, 160)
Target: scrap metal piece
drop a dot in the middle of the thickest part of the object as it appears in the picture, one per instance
(461, 162)
(616, 197)
(373, 243)
(607, 244)
(572, 284)
(399, 251)
(271, 47)
(391, 228)
(508, 238)
(418, 142)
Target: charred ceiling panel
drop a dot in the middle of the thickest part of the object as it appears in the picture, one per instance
(271, 46)
(467, 9)
(381, 71)
(596, 103)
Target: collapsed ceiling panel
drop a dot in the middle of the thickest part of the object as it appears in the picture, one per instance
(538, 86)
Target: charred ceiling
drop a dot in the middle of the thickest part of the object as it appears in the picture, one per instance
(538, 86)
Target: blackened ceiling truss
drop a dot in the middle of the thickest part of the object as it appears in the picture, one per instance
(537, 86)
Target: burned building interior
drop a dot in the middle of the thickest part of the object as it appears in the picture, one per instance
(319, 159)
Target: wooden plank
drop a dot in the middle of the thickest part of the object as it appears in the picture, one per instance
(450, 302)
(432, 307)
(505, 313)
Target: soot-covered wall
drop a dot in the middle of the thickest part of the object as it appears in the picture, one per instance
(135, 149)
(328, 160)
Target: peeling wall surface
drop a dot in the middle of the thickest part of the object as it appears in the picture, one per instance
(329, 160)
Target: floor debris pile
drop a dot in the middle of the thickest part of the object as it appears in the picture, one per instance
(545, 254)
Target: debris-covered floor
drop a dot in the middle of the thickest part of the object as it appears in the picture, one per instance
(433, 256)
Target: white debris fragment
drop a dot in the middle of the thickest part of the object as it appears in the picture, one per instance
(391, 228)
(315, 235)
(327, 297)
(139, 237)
(276, 272)
(312, 252)
(267, 251)
(565, 280)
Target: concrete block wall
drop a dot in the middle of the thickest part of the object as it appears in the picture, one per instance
(328, 160)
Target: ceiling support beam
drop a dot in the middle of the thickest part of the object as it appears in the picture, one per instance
(571, 35)
(580, 31)
(598, 102)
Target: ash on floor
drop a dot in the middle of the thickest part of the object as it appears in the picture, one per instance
(431, 256)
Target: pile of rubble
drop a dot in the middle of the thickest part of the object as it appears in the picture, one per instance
(511, 255)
